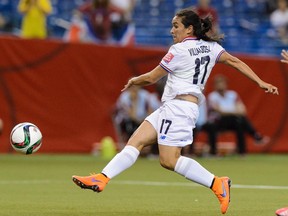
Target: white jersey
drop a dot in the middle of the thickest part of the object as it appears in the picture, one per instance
(189, 65)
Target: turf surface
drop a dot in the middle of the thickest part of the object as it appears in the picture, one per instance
(41, 185)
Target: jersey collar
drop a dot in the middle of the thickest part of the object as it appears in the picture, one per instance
(189, 38)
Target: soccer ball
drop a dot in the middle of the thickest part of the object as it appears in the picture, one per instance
(26, 138)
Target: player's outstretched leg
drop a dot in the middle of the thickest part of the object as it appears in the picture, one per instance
(195, 172)
(221, 188)
(96, 182)
(122, 161)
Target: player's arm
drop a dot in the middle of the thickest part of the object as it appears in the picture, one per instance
(284, 54)
(147, 78)
(239, 65)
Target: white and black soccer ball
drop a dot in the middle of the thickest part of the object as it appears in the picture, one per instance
(26, 138)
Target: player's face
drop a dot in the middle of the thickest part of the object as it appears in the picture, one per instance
(178, 30)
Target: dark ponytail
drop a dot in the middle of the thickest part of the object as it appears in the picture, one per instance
(200, 26)
(206, 24)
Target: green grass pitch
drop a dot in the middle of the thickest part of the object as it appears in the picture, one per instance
(41, 185)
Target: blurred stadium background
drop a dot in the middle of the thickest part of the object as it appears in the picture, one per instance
(244, 22)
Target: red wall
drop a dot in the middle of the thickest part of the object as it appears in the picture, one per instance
(68, 91)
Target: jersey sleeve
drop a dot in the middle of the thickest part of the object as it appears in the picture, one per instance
(170, 60)
(218, 50)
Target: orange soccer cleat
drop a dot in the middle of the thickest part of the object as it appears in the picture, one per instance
(95, 182)
(221, 188)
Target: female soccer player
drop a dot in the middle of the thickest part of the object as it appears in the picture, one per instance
(187, 64)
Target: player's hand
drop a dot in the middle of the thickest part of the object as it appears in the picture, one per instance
(129, 84)
(269, 88)
(284, 54)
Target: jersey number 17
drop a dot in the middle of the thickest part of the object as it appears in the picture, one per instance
(205, 60)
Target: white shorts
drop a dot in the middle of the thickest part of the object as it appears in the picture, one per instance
(174, 122)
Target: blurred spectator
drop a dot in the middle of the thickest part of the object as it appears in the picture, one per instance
(227, 112)
(123, 29)
(279, 20)
(97, 14)
(132, 107)
(204, 9)
(77, 29)
(2, 21)
(34, 17)
(5, 24)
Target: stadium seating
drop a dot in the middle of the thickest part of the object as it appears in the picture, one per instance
(243, 22)
(245, 26)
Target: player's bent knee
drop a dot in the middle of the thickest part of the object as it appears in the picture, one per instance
(167, 163)
(136, 143)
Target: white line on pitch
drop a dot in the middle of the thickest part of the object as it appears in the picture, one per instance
(190, 184)
(148, 183)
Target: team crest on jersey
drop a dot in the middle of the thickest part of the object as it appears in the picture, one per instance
(168, 57)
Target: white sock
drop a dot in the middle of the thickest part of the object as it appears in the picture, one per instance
(122, 161)
(193, 171)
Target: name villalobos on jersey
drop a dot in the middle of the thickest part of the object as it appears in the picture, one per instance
(199, 50)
